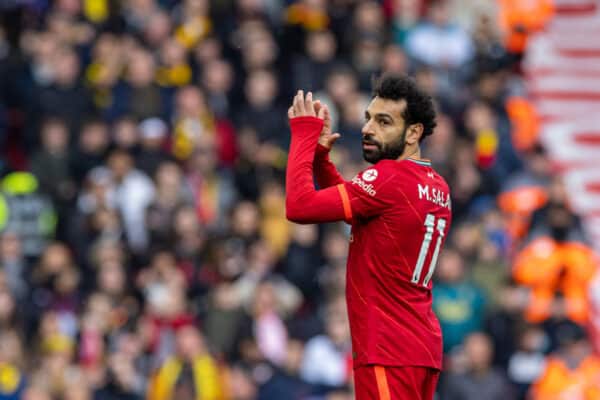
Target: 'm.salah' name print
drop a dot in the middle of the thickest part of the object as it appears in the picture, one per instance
(434, 195)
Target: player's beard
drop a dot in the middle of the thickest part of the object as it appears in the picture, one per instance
(384, 151)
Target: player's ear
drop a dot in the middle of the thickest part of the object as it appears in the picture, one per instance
(414, 133)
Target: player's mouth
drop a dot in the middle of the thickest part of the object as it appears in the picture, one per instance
(369, 146)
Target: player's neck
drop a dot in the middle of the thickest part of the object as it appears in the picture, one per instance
(410, 152)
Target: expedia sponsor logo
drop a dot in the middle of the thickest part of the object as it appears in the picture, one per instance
(370, 175)
(367, 187)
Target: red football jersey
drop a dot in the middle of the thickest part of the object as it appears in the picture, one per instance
(400, 213)
(400, 218)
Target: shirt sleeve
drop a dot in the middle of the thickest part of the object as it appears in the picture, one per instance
(370, 192)
(305, 204)
(325, 171)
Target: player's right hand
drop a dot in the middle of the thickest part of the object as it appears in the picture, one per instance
(326, 138)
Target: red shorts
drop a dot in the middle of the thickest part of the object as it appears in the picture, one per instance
(375, 382)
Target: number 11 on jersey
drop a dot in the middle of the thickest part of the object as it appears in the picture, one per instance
(429, 230)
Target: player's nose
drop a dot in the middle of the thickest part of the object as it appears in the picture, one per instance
(367, 129)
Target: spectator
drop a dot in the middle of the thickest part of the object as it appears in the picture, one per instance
(327, 357)
(310, 71)
(65, 97)
(526, 364)
(51, 164)
(218, 81)
(138, 95)
(133, 194)
(262, 113)
(194, 123)
(92, 146)
(26, 212)
(212, 189)
(153, 132)
(14, 265)
(457, 302)
(179, 376)
(571, 370)
(480, 379)
(437, 42)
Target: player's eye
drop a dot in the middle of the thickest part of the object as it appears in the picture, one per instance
(383, 122)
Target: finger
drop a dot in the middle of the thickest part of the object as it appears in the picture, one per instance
(308, 104)
(326, 118)
(300, 109)
(291, 113)
(334, 137)
(295, 105)
(322, 112)
(317, 105)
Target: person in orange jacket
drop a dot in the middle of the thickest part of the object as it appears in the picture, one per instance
(556, 261)
(572, 372)
(518, 19)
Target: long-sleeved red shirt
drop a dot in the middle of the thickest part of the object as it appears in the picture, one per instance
(400, 213)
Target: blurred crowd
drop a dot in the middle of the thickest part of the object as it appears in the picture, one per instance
(144, 250)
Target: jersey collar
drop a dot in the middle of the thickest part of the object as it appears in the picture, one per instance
(420, 161)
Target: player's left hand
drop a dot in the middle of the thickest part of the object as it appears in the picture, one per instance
(305, 107)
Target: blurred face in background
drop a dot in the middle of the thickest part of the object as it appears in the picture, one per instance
(261, 88)
(439, 12)
(265, 301)
(120, 164)
(196, 7)
(66, 282)
(168, 178)
(78, 392)
(141, 68)
(190, 343)
(336, 322)
(35, 393)
(204, 158)
(66, 66)
(94, 137)
(125, 133)
(394, 60)
(7, 306)
(11, 348)
(190, 102)
(158, 28)
(10, 247)
(369, 17)
(450, 268)
(479, 351)
(172, 53)
(241, 384)
(186, 222)
(55, 259)
(245, 219)
(305, 235)
(111, 279)
(259, 49)
(217, 76)
(208, 50)
(55, 136)
(340, 85)
(321, 46)
(367, 54)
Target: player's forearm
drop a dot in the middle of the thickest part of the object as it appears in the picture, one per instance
(325, 171)
(304, 204)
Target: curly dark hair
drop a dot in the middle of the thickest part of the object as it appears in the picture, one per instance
(419, 105)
